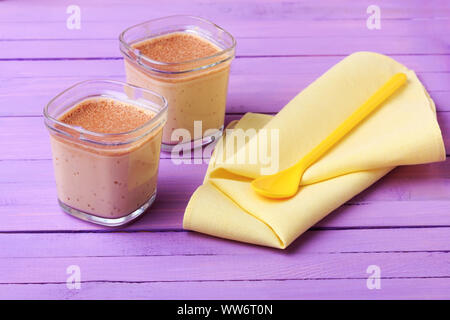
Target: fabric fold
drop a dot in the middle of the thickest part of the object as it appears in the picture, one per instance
(404, 131)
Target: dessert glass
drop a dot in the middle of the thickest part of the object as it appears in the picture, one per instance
(106, 178)
(196, 90)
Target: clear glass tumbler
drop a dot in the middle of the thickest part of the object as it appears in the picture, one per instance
(196, 90)
(106, 178)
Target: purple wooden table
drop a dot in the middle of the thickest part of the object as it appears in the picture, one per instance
(401, 225)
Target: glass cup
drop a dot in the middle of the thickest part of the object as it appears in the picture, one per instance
(106, 178)
(196, 90)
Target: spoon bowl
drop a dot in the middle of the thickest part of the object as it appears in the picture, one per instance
(284, 184)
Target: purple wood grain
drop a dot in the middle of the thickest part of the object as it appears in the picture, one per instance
(133, 244)
(26, 137)
(260, 96)
(243, 18)
(409, 196)
(411, 288)
(261, 65)
(299, 266)
(155, 259)
(346, 9)
(298, 27)
(295, 28)
(50, 49)
(31, 84)
(401, 223)
(293, 25)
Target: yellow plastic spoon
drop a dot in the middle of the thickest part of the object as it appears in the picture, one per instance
(284, 184)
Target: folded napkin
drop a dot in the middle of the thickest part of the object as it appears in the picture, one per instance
(404, 131)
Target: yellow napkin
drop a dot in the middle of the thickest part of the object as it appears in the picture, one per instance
(404, 131)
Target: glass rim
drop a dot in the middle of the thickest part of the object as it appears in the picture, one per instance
(126, 45)
(82, 131)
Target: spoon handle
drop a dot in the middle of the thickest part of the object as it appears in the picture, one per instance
(384, 92)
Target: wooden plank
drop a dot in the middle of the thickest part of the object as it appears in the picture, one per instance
(137, 244)
(400, 224)
(101, 48)
(299, 266)
(247, 93)
(298, 27)
(409, 196)
(31, 84)
(26, 137)
(56, 69)
(249, 9)
(411, 288)
(187, 258)
(295, 28)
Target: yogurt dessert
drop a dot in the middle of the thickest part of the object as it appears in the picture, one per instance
(106, 140)
(187, 60)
